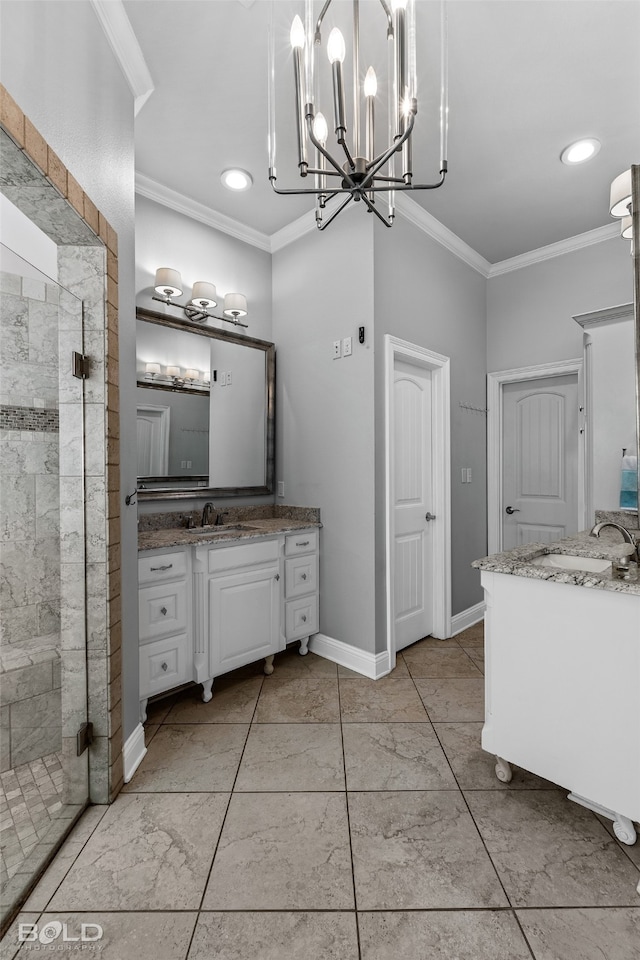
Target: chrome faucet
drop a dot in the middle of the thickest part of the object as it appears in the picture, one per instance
(206, 514)
(595, 532)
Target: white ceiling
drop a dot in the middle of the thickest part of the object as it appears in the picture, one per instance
(527, 77)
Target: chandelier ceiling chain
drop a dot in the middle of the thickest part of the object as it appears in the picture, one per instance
(359, 177)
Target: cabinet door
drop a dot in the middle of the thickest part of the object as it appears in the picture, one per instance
(244, 617)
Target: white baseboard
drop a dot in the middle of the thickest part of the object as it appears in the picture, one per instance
(371, 665)
(461, 621)
(133, 752)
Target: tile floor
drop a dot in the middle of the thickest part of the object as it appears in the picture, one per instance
(315, 814)
(30, 798)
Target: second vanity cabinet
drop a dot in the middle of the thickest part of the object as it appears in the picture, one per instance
(207, 609)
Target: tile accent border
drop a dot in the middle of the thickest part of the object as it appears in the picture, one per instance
(102, 452)
(34, 419)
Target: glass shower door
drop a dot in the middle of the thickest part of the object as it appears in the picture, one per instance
(43, 650)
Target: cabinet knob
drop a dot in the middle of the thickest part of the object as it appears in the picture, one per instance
(163, 611)
(277, 576)
(303, 576)
(165, 666)
(167, 566)
(302, 543)
(304, 618)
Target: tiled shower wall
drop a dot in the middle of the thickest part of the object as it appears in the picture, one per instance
(29, 521)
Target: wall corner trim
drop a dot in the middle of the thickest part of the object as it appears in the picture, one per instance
(124, 43)
(371, 665)
(424, 221)
(152, 190)
(467, 618)
(571, 244)
(133, 752)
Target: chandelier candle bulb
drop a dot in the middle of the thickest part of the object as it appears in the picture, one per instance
(336, 53)
(298, 40)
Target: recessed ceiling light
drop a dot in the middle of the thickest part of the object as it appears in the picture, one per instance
(580, 151)
(236, 179)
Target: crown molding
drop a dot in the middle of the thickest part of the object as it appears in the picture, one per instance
(152, 190)
(124, 43)
(623, 311)
(570, 245)
(424, 221)
(293, 231)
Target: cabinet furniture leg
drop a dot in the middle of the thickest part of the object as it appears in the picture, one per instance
(304, 646)
(268, 665)
(206, 690)
(503, 770)
(143, 710)
(624, 830)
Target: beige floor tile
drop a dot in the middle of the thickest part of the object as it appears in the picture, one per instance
(276, 936)
(436, 935)
(292, 756)
(633, 851)
(458, 699)
(372, 701)
(191, 757)
(11, 942)
(298, 701)
(584, 934)
(550, 852)
(449, 662)
(474, 767)
(477, 655)
(282, 851)
(54, 875)
(399, 672)
(143, 936)
(395, 756)
(419, 850)
(289, 663)
(151, 851)
(150, 730)
(472, 636)
(234, 701)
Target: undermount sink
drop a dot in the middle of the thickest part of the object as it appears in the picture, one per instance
(212, 530)
(563, 561)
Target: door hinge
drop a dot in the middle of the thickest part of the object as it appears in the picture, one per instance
(80, 365)
(84, 738)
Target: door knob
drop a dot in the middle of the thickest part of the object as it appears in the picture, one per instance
(430, 516)
(511, 510)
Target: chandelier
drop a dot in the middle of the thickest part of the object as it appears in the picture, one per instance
(346, 171)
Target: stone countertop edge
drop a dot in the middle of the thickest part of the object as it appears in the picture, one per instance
(180, 536)
(580, 545)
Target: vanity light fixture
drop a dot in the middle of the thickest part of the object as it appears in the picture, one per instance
(168, 285)
(152, 370)
(580, 151)
(363, 172)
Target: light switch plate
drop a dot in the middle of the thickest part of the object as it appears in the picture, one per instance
(336, 350)
(347, 347)
(281, 488)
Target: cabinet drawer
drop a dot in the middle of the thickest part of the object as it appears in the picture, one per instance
(166, 566)
(301, 617)
(304, 542)
(162, 610)
(300, 576)
(242, 555)
(164, 664)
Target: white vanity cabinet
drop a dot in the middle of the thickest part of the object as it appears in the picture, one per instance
(165, 626)
(208, 608)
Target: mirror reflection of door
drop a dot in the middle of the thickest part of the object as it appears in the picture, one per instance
(539, 460)
(153, 440)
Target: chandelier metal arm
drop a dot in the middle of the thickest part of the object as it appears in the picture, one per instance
(323, 151)
(372, 209)
(323, 224)
(392, 149)
(408, 187)
(387, 13)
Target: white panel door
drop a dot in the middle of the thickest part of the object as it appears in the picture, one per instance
(539, 460)
(413, 560)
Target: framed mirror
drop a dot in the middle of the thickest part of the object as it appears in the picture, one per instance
(205, 403)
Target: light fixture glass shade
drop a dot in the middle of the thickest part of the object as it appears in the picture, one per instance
(320, 128)
(173, 371)
(235, 305)
(192, 375)
(626, 228)
(152, 369)
(620, 199)
(203, 294)
(168, 282)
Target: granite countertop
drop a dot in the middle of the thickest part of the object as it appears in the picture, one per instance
(608, 546)
(250, 529)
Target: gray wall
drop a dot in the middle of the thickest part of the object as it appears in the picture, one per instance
(426, 295)
(529, 311)
(58, 66)
(323, 291)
